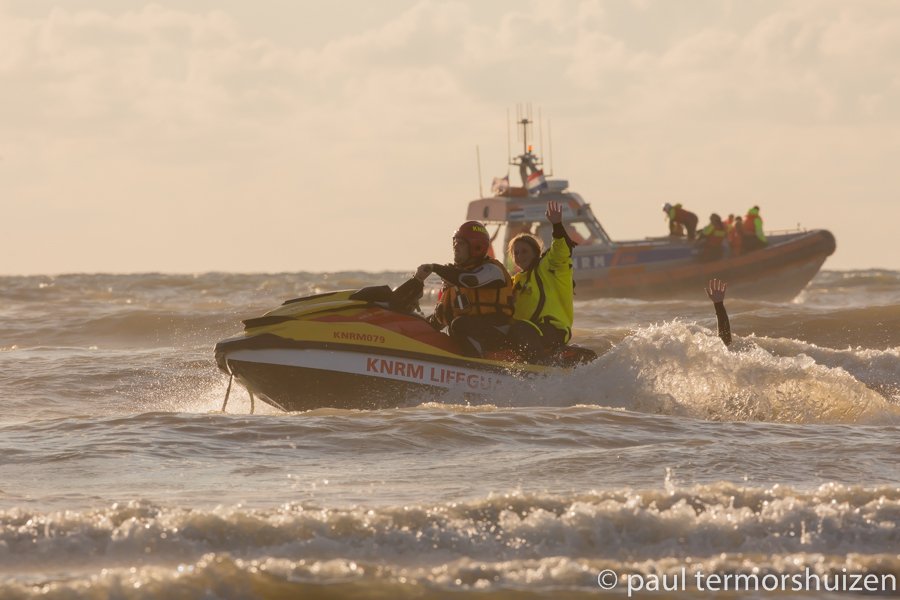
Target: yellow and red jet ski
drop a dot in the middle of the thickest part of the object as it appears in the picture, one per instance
(361, 349)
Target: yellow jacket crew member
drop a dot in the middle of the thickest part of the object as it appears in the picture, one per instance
(712, 238)
(476, 299)
(754, 237)
(544, 291)
(678, 217)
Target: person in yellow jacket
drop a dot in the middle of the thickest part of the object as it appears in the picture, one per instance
(544, 291)
(754, 237)
(712, 239)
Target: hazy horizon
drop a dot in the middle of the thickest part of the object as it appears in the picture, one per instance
(303, 271)
(229, 137)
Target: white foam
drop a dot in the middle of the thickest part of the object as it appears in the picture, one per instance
(500, 541)
(684, 369)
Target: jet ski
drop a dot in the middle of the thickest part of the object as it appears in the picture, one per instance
(364, 349)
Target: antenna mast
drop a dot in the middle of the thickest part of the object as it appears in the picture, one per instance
(526, 121)
(527, 161)
(524, 117)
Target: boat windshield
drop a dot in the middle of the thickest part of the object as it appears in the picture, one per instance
(581, 225)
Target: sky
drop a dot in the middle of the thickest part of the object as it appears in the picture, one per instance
(291, 135)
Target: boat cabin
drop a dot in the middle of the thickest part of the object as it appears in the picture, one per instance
(515, 211)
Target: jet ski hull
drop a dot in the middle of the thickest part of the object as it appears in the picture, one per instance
(305, 378)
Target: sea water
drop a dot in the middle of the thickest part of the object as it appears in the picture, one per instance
(666, 468)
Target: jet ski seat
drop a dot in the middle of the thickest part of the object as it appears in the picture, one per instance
(405, 299)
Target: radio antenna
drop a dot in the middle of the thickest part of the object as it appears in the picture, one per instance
(508, 141)
(478, 160)
(541, 130)
(518, 118)
(550, 139)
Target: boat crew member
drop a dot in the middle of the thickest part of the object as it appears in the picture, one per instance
(712, 239)
(679, 217)
(476, 299)
(544, 291)
(754, 238)
(736, 236)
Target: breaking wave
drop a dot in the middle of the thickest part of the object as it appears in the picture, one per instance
(683, 369)
(501, 543)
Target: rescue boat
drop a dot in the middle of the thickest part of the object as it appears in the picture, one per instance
(652, 268)
(357, 349)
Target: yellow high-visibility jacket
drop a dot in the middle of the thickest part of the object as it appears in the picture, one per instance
(545, 294)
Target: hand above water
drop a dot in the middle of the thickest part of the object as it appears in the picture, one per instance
(716, 290)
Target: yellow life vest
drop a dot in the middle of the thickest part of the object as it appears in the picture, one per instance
(714, 235)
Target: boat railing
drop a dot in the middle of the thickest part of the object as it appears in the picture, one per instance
(798, 229)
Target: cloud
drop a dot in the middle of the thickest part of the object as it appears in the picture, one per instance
(172, 103)
(174, 70)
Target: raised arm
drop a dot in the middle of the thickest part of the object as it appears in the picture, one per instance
(554, 212)
(554, 216)
(716, 292)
